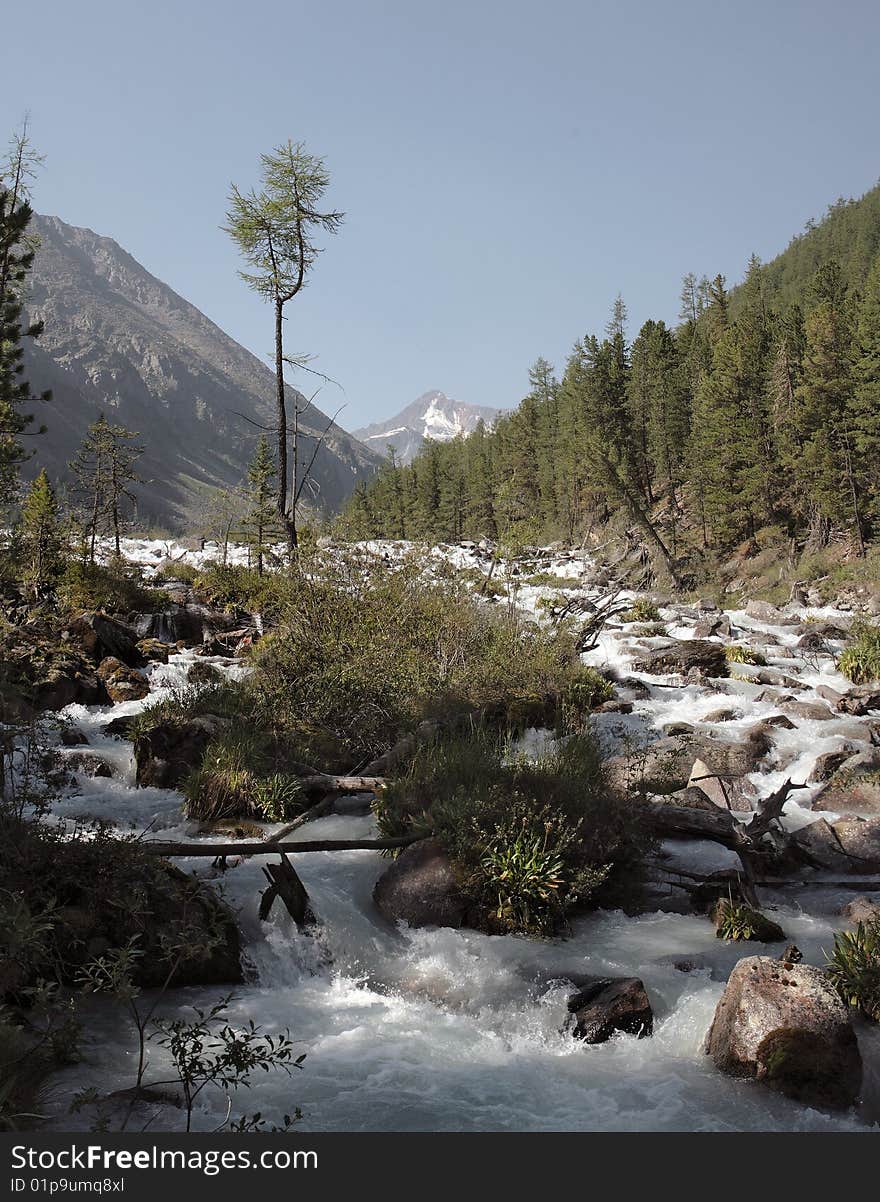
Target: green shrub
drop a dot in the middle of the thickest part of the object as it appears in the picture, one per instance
(736, 653)
(176, 569)
(115, 588)
(364, 652)
(643, 610)
(530, 840)
(234, 588)
(585, 692)
(860, 661)
(854, 967)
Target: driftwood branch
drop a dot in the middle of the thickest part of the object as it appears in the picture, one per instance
(341, 784)
(266, 847)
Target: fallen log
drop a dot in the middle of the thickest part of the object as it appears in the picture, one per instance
(266, 847)
(341, 784)
(324, 806)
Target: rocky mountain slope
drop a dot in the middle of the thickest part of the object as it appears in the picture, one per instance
(119, 341)
(432, 415)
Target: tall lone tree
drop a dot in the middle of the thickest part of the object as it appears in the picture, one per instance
(275, 229)
(16, 259)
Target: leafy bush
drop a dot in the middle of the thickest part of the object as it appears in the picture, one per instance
(234, 588)
(115, 588)
(736, 653)
(587, 690)
(176, 569)
(643, 610)
(860, 661)
(530, 839)
(364, 652)
(854, 967)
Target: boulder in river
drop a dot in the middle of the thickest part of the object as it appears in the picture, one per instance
(770, 615)
(784, 1025)
(855, 787)
(751, 925)
(421, 888)
(697, 656)
(850, 845)
(121, 682)
(666, 765)
(101, 636)
(862, 909)
(610, 1005)
(166, 754)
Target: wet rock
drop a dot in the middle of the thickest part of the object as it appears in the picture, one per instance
(166, 754)
(121, 682)
(784, 1025)
(849, 845)
(201, 672)
(678, 728)
(120, 728)
(153, 650)
(825, 767)
(777, 722)
(609, 1006)
(860, 701)
(828, 694)
(810, 711)
(100, 637)
(421, 888)
(855, 787)
(89, 764)
(770, 615)
(755, 926)
(725, 714)
(665, 765)
(688, 655)
(73, 736)
(736, 793)
(862, 909)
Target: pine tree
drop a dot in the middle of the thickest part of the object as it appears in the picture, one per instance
(16, 260)
(261, 526)
(41, 540)
(275, 229)
(824, 426)
(866, 401)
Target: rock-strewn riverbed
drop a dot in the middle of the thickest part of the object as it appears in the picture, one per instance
(442, 1028)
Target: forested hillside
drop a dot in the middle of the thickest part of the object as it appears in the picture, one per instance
(762, 407)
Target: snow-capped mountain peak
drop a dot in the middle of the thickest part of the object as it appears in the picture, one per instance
(432, 416)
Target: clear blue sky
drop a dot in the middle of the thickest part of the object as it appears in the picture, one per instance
(506, 168)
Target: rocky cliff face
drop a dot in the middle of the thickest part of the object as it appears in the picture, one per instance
(432, 415)
(119, 341)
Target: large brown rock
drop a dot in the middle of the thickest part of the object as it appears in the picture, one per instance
(122, 683)
(686, 656)
(855, 786)
(167, 754)
(784, 1025)
(665, 765)
(421, 888)
(608, 1006)
(101, 636)
(850, 845)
